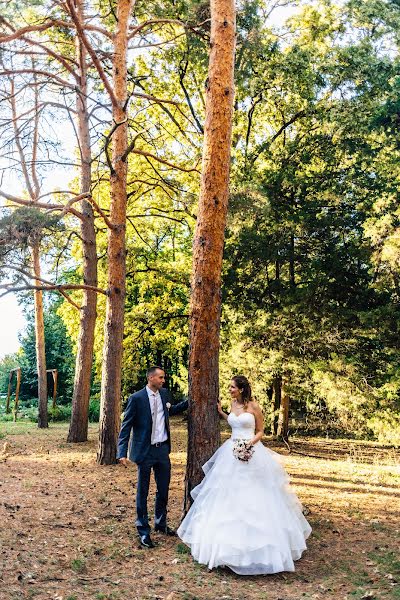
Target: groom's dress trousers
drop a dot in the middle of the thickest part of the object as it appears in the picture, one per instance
(146, 415)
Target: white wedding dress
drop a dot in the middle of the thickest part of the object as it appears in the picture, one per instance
(244, 516)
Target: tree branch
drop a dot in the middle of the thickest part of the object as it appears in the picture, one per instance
(162, 160)
(64, 208)
(48, 74)
(69, 299)
(182, 74)
(139, 28)
(20, 32)
(91, 52)
(51, 287)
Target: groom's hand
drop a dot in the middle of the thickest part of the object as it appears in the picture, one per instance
(125, 462)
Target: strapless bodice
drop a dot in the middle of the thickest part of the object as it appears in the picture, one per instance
(243, 425)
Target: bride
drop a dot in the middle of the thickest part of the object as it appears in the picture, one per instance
(244, 516)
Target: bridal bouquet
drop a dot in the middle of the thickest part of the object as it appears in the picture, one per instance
(243, 450)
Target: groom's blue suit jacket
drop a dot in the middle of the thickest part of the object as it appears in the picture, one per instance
(137, 419)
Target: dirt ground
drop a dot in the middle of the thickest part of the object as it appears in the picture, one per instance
(67, 525)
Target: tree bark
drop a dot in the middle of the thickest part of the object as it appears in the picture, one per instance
(291, 261)
(40, 342)
(283, 419)
(84, 358)
(276, 403)
(9, 392)
(16, 402)
(114, 324)
(205, 303)
(29, 173)
(54, 373)
(277, 271)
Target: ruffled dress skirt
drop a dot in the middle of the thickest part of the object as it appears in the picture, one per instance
(244, 515)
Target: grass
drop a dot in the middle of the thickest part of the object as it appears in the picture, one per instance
(78, 565)
(18, 428)
(182, 549)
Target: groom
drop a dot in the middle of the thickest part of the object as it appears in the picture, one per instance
(146, 415)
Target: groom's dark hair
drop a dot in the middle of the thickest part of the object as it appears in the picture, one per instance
(152, 370)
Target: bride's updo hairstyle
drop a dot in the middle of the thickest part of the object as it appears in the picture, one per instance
(243, 384)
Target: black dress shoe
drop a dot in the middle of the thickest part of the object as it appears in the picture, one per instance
(146, 542)
(167, 530)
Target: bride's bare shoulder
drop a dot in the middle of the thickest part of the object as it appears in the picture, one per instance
(254, 407)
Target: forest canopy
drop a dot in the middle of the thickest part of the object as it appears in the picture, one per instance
(311, 287)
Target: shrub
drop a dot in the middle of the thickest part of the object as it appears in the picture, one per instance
(60, 413)
(386, 427)
(94, 410)
(29, 414)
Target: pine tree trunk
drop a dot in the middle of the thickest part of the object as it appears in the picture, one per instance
(208, 247)
(114, 324)
(84, 358)
(40, 342)
(33, 188)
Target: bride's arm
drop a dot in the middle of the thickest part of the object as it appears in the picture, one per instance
(259, 423)
(221, 412)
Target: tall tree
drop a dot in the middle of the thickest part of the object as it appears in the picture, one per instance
(56, 52)
(205, 303)
(24, 122)
(114, 325)
(84, 357)
(115, 29)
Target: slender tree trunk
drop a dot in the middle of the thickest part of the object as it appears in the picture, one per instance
(38, 295)
(283, 420)
(33, 188)
(277, 271)
(9, 391)
(275, 403)
(291, 261)
(84, 358)
(55, 383)
(40, 343)
(16, 402)
(208, 244)
(114, 324)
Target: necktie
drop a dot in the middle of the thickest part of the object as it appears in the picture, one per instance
(154, 416)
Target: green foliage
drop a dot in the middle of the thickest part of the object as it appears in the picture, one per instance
(26, 226)
(7, 363)
(94, 410)
(59, 413)
(59, 355)
(27, 410)
(306, 292)
(311, 283)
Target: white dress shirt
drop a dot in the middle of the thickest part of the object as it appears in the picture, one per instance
(157, 412)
